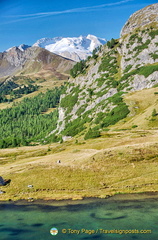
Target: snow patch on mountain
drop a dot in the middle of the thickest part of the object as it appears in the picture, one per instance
(21, 47)
(75, 48)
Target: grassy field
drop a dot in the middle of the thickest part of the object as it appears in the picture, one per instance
(141, 105)
(122, 160)
(118, 162)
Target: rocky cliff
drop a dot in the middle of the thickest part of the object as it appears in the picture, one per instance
(141, 18)
(93, 99)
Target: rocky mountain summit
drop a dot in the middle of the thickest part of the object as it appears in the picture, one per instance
(73, 48)
(94, 96)
(141, 18)
(21, 47)
(25, 60)
(54, 56)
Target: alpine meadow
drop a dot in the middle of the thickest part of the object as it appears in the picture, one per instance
(81, 122)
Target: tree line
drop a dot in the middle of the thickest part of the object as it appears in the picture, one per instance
(13, 91)
(26, 121)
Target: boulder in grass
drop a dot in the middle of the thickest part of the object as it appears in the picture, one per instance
(4, 182)
(1, 192)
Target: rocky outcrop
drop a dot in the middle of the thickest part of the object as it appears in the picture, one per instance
(4, 182)
(129, 64)
(33, 59)
(141, 18)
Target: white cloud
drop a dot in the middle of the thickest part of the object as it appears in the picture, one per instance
(75, 10)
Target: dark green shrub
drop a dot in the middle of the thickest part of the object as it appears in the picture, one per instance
(74, 127)
(92, 133)
(116, 98)
(81, 109)
(117, 113)
(100, 81)
(127, 59)
(139, 39)
(99, 117)
(78, 68)
(147, 70)
(128, 68)
(133, 37)
(101, 93)
(69, 101)
(142, 46)
(106, 65)
(134, 126)
(90, 91)
(154, 113)
(112, 43)
(153, 33)
(154, 56)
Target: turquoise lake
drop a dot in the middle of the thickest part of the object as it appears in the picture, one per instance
(85, 219)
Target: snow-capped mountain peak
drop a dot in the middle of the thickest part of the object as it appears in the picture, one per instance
(43, 42)
(21, 47)
(75, 48)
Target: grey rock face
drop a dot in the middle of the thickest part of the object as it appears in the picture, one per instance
(137, 49)
(140, 82)
(131, 55)
(141, 18)
(15, 59)
(23, 58)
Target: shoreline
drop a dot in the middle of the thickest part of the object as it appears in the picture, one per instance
(71, 201)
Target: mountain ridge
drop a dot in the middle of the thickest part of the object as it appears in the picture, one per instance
(32, 60)
(73, 48)
(141, 18)
(94, 98)
(112, 96)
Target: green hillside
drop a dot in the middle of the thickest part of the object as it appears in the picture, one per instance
(96, 135)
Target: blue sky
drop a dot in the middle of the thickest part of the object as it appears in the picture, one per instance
(26, 21)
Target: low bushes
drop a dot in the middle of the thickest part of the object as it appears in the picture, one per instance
(92, 133)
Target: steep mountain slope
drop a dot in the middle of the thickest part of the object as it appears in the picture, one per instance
(76, 48)
(32, 60)
(141, 18)
(102, 90)
(27, 71)
(93, 99)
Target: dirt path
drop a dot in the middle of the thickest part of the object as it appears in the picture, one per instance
(71, 158)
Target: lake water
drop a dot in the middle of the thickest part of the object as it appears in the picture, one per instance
(85, 219)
